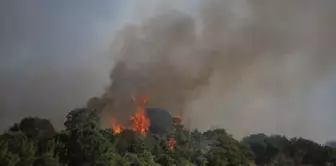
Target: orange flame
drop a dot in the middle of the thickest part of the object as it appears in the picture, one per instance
(179, 117)
(171, 143)
(117, 128)
(140, 121)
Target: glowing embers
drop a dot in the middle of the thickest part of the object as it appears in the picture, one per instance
(171, 143)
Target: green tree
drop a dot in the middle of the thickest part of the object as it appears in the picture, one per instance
(165, 160)
(37, 129)
(282, 160)
(81, 119)
(257, 143)
(146, 159)
(86, 143)
(40, 133)
(61, 146)
(130, 141)
(304, 151)
(20, 145)
(224, 150)
(310, 152)
(7, 158)
(266, 148)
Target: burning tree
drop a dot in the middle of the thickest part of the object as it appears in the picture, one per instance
(140, 120)
(117, 128)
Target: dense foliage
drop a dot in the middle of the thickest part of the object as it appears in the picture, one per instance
(34, 142)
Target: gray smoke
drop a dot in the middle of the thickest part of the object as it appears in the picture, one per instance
(245, 65)
(248, 66)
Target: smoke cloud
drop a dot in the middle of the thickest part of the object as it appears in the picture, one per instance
(245, 65)
(248, 66)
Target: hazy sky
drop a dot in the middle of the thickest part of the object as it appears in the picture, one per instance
(55, 55)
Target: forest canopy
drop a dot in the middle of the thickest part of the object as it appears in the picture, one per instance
(34, 142)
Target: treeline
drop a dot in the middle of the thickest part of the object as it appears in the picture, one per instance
(34, 142)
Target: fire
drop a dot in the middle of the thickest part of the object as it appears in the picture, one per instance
(140, 121)
(171, 143)
(179, 117)
(117, 128)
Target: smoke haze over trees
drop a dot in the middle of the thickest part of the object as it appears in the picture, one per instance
(248, 66)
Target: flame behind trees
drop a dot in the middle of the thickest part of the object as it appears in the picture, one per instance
(141, 122)
(117, 128)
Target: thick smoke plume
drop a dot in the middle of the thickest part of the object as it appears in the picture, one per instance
(250, 66)
(244, 65)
